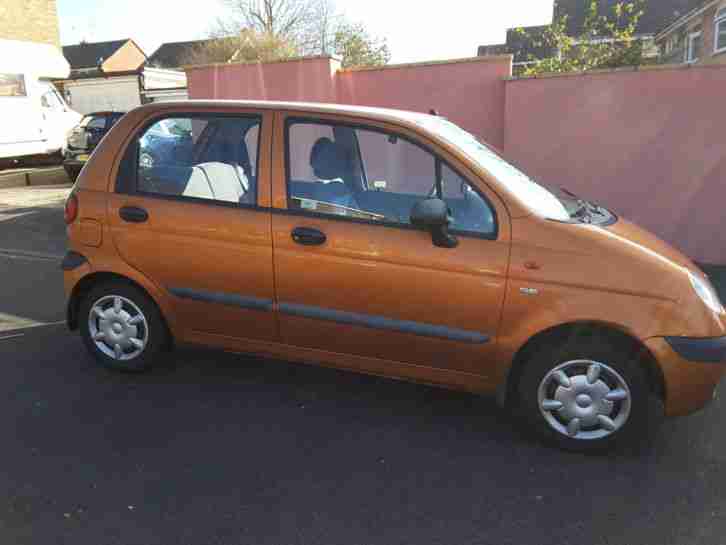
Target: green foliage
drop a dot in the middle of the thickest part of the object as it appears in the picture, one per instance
(247, 45)
(357, 48)
(607, 40)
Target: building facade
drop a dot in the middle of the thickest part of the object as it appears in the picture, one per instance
(526, 43)
(699, 36)
(30, 21)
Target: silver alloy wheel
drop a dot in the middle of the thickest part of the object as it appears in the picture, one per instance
(118, 327)
(584, 399)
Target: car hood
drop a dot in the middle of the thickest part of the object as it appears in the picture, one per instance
(622, 258)
(648, 243)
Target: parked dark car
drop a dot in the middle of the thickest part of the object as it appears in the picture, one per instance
(85, 137)
(168, 142)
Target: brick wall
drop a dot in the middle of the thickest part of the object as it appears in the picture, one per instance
(29, 20)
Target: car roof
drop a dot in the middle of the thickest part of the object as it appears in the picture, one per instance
(311, 107)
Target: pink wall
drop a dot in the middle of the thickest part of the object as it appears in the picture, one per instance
(470, 92)
(649, 144)
(310, 79)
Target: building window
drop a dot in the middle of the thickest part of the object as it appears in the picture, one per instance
(720, 31)
(12, 85)
(671, 44)
(695, 46)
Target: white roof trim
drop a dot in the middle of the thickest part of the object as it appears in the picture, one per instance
(41, 60)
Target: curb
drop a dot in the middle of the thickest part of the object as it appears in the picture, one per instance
(33, 177)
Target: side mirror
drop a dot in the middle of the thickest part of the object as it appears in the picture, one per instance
(433, 215)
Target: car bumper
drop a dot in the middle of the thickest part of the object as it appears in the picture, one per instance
(76, 157)
(75, 267)
(692, 370)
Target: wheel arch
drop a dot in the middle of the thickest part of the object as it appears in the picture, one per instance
(89, 281)
(562, 332)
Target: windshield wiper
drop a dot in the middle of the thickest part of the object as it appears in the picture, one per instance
(585, 209)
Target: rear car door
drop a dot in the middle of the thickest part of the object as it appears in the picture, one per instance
(195, 219)
(354, 276)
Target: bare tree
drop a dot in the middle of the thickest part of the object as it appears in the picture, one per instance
(216, 50)
(247, 45)
(357, 48)
(270, 29)
(280, 18)
(309, 24)
(326, 22)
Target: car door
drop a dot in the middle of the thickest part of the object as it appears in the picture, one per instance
(197, 223)
(354, 276)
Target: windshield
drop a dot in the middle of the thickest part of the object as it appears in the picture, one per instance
(544, 201)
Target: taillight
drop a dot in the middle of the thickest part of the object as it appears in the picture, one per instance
(70, 213)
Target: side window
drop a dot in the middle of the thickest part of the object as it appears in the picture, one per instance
(199, 158)
(49, 99)
(12, 85)
(376, 176)
(97, 123)
(396, 165)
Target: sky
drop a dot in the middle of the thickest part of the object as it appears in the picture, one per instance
(416, 30)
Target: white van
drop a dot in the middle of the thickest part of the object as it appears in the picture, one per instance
(35, 118)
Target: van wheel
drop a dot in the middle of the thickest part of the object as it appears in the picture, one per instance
(592, 394)
(121, 327)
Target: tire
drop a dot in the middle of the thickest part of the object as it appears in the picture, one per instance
(608, 394)
(109, 335)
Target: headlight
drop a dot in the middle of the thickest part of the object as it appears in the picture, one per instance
(706, 292)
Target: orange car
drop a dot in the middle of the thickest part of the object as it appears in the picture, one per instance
(385, 242)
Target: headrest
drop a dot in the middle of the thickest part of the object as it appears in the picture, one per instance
(327, 161)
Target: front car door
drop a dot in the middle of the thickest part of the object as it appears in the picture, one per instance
(191, 212)
(354, 276)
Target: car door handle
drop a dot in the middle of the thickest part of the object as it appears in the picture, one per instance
(307, 236)
(133, 214)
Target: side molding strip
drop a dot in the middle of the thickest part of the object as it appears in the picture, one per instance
(379, 322)
(229, 299)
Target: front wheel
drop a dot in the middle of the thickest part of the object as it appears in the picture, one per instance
(591, 394)
(121, 327)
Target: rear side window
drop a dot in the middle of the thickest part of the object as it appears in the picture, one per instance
(209, 158)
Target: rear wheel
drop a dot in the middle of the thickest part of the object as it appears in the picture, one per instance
(121, 327)
(591, 393)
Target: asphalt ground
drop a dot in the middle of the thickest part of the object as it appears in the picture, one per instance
(217, 448)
